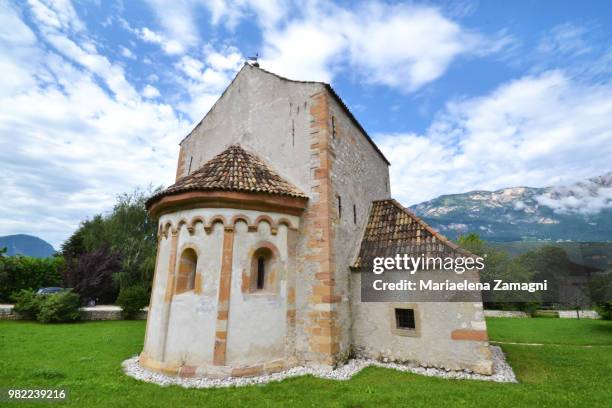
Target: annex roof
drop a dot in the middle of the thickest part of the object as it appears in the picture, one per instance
(392, 229)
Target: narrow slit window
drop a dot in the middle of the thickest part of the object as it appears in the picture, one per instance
(334, 127)
(339, 207)
(190, 162)
(292, 132)
(404, 319)
(354, 214)
(261, 272)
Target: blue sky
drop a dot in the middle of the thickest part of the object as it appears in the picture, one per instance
(465, 95)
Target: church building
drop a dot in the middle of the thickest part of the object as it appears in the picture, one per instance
(280, 195)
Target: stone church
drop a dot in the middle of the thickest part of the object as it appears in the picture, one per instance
(279, 194)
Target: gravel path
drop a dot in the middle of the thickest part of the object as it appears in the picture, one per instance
(502, 372)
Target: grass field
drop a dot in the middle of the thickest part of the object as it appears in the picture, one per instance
(86, 358)
(551, 331)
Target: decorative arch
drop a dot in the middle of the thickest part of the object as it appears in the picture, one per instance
(183, 221)
(195, 220)
(215, 219)
(167, 226)
(269, 220)
(287, 222)
(241, 217)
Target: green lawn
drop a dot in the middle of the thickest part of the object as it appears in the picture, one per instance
(551, 331)
(86, 359)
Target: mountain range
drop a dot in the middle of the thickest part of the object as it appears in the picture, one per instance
(27, 245)
(579, 212)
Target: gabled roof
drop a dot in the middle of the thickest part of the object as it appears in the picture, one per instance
(393, 229)
(327, 86)
(234, 169)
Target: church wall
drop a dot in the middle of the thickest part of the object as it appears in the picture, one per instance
(266, 115)
(272, 118)
(192, 317)
(153, 346)
(257, 324)
(358, 175)
(289, 125)
(183, 328)
(448, 335)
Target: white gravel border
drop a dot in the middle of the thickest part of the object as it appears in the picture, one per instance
(502, 372)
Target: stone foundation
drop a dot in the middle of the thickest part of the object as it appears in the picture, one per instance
(214, 371)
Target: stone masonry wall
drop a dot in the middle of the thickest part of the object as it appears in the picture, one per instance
(358, 176)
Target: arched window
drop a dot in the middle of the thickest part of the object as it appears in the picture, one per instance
(261, 272)
(262, 266)
(185, 280)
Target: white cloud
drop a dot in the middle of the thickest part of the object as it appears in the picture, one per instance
(585, 197)
(68, 146)
(565, 39)
(206, 78)
(230, 12)
(127, 53)
(537, 131)
(150, 91)
(170, 46)
(401, 46)
(59, 14)
(177, 19)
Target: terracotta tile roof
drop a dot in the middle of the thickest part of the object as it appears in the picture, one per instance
(392, 229)
(234, 169)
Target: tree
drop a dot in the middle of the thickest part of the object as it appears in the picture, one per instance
(134, 234)
(127, 234)
(499, 265)
(550, 263)
(91, 275)
(473, 243)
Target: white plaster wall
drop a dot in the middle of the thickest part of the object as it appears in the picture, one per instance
(256, 330)
(153, 346)
(191, 326)
(373, 335)
(257, 322)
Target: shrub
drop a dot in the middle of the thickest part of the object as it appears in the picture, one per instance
(27, 304)
(59, 307)
(546, 313)
(604, 310)
(132, 300)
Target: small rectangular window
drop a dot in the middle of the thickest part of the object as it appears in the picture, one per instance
(339, 207)
(404, 319)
